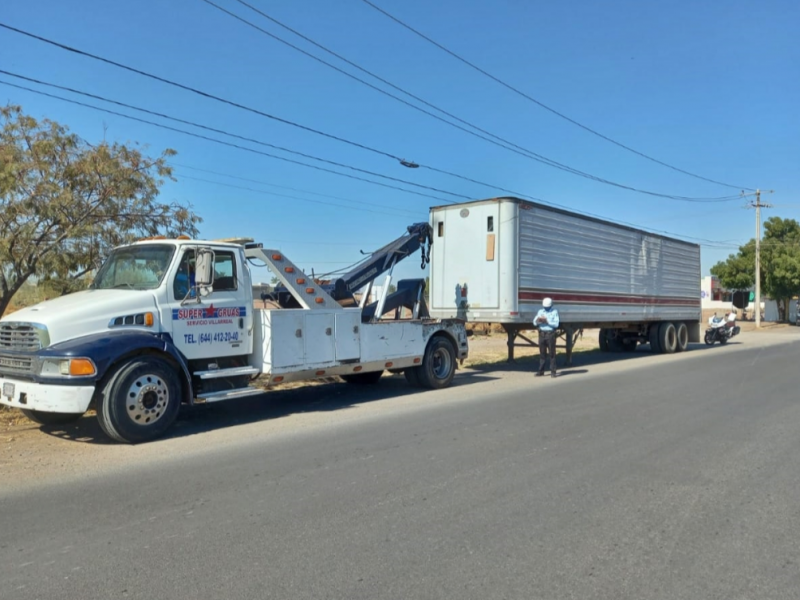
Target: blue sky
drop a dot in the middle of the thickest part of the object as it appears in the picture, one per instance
(712, 88)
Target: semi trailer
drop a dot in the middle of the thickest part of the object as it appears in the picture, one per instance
(495, 260)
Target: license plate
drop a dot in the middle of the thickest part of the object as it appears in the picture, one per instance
(8, 390)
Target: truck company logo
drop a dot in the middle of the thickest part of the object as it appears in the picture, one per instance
(209, 315)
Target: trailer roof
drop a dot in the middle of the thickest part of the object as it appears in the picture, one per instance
(562, 211)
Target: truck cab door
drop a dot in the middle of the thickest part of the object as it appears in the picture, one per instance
(220, 324)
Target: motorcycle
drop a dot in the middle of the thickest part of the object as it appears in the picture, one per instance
(720, 330)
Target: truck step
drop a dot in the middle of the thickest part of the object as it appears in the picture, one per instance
(233, 372)
(227, 395)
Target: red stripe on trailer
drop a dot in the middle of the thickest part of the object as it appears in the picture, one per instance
(573, 298)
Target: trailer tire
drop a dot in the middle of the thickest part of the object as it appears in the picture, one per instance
(652, 335)
(370, 378)
(438, 365)
(51, 418)
(412, 376)
(683, 337)
(667, 338)
(140, 400)
(603, 340)
(629, 344)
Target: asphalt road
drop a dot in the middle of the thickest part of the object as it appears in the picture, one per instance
(673, 479)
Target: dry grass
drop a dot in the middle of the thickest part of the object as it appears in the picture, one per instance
(10, 417)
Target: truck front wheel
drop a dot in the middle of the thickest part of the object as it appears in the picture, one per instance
(140, 400)
(439, 364)
(51, 418)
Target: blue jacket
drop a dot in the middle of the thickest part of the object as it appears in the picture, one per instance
(551, 315)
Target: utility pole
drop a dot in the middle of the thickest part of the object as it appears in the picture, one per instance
(758, 205)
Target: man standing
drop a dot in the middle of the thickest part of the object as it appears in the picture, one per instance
(547, 322)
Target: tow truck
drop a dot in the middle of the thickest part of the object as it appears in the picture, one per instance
(174, 321)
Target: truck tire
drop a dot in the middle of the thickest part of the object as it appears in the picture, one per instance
(51, 418)
(667, 338)
(370, 378)
(412, 376)
(652, 335)
(140, 400)
(683, 337)
(603, 340)
(629, 344)
(439, 364)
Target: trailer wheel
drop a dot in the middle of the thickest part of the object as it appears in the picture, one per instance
(140, 400)
(629, 344)
(603, 340)
(412, 376)
(652, 336)
(51, 418)
(439, 364)
(370, 378)
(667, 338)
(683, 337)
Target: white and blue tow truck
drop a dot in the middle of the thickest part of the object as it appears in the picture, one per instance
(174, 321)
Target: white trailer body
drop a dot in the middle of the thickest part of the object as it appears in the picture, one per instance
(495, 260)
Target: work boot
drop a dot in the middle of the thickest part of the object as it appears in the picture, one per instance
(554, 374)
(539, 374)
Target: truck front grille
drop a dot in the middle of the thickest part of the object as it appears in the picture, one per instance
(22, 337)
(16, 364)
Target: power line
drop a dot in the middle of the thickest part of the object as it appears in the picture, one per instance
(254, 151)
(544, 106)
(266, 193)
(503, 143)
(199, 92)
(200, 136)
(284, 187)
(262, 143)
(539, 158)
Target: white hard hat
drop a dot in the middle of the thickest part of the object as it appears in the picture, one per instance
(547, 302)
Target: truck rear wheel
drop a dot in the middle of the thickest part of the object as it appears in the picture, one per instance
(51, 418)
(140, 400)
(652, 336)
(439, 364)
(667, 338)
(370, 378)
(603, 340)
(683, 337)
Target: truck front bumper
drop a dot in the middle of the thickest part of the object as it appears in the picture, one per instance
(45, 397)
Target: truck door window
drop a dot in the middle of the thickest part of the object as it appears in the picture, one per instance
(184, 278)
(224, 272)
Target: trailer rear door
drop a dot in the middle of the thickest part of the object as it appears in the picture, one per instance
(465, 257)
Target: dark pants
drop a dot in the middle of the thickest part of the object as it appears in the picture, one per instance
(547, 345)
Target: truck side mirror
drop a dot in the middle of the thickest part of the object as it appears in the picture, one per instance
(204, 269)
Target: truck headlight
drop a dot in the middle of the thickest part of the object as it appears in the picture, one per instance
(67, 367)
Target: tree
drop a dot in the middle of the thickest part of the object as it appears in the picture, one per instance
(64, 203)
(780, 263)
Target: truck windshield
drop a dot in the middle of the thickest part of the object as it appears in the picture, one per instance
(135, 268)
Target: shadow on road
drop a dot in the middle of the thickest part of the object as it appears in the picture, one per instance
(587, 359)
(273, 404)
